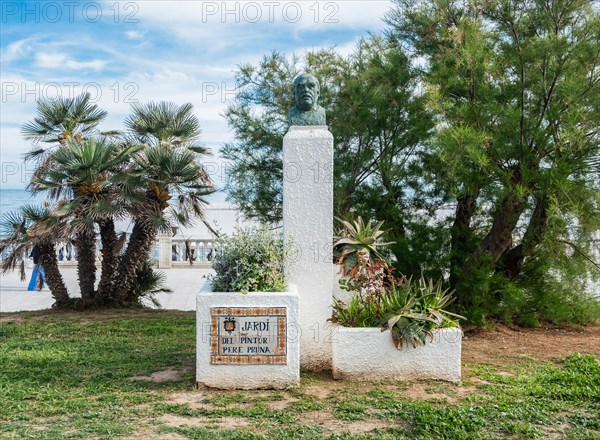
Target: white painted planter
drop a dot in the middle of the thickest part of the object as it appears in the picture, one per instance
(231, 371)
(364, 354)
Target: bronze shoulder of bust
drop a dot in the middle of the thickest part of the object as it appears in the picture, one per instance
(315, 116)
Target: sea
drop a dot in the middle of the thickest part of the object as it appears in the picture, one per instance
(13, 199)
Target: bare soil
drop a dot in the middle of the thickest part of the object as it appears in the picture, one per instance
(168, 375)
(503, 345)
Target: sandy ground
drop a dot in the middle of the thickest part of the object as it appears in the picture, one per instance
(14, 297)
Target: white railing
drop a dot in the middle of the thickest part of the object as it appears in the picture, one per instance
(194, 252)
(167, 252)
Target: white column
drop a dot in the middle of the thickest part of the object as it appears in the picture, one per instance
(308, 228)
(164, 250)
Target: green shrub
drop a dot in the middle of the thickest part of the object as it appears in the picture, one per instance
(558, 297)
(250, 260)
(541, 295)
(149, 283)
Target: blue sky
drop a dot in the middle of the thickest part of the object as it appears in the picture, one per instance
(127, 51)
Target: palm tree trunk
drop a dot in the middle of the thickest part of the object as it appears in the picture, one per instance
(53, 276)
(110, 252)
(142, 238)
(85, 242)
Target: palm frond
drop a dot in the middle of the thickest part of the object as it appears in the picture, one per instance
(60, 118)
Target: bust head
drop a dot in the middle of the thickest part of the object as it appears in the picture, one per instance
(306, 92)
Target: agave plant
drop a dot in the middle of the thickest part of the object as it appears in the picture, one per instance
(412, 311)
(357, 240)
(409, 311)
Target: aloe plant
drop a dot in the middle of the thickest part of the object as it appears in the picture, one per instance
(410, 311)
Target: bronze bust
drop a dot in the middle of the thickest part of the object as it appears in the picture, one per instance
(307, 110)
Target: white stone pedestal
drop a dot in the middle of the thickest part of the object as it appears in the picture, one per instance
(242, 357)
(308, 227)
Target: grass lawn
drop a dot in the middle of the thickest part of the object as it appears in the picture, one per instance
(131, 375)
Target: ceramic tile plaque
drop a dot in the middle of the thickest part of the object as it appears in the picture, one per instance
(248, 335)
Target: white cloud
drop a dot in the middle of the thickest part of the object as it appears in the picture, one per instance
(226, 24)
(179, 56)
(56, 60)
(50, 60)
(16, 50)
(135, 35)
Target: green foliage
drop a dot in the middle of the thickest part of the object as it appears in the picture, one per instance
(149, 283)
(410, 311)
(168, 166)
(578, 380)
(250, 260)
(413, 311)
(515, 93)
(165, 122)
(59, 119)
(357, 313)
(21, 230)
(488, 169)
(376, 119)
(541, 295)
(76, 369)
(98, 178)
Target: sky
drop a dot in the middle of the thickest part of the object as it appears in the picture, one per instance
(123, 52)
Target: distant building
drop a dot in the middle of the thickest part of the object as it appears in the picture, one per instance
(220, 217)
(195, 243)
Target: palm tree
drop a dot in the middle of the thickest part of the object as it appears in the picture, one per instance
(93, 173)
(31, 227)
(101, 180)
(169, 168)
(59, 119)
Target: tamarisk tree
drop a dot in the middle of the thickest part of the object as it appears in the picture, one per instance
(515, 87)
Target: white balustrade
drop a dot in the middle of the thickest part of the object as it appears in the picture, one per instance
(167, 252)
